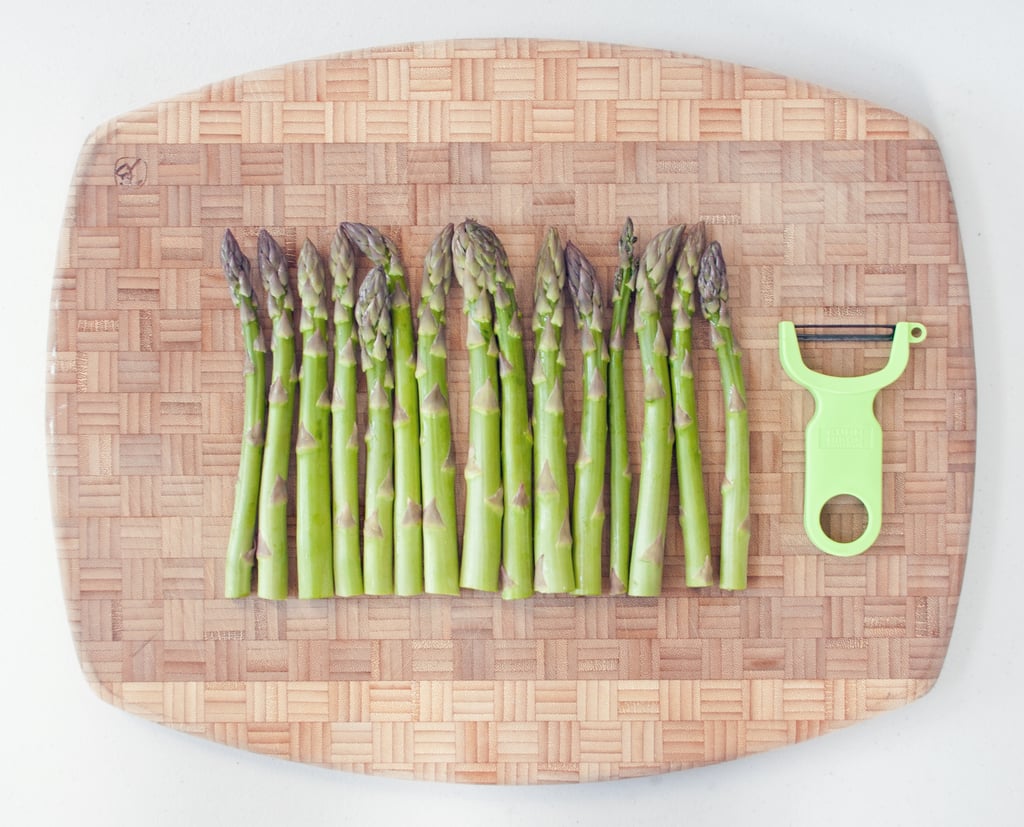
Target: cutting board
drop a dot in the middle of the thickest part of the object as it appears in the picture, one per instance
(828, 209)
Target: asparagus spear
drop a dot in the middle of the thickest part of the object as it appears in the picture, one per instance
(552, 539)
(348, 573)
(648, 555)
(621, 476)
(272, 529)
(588, 509)
(437, 459)
(714, 293)
(484, 503)
(693, 510)
(383, 252)
(240, 551)
(313, 544)
(516, 433)
(374, 319)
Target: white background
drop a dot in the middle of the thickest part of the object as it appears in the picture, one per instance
(950, 758)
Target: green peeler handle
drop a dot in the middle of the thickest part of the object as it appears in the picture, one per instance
(843, 440)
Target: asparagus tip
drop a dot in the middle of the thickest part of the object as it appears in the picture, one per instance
(656, 264)
(437, 265)
(273, 266)
(583, 286)
(372, 313)
(236, 267)
(712, 283)
(342, 259)
(694, 244)
(550, 280)
(626, 241)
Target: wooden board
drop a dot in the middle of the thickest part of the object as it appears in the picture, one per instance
(828, 209)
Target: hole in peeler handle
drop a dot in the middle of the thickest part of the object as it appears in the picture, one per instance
(844, 518)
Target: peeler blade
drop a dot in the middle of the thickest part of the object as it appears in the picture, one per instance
(845, 332)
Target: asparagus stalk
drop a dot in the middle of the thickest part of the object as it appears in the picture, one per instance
(272, 529)
(484, 501)
(693, 510)
(313, 544)
(373, 317)
(648, 554)
(348, 573)
(588, 511)
(552, 539)
(516, 432)
(437, 458)
(621, 475)
(408, 517)
(714, 294)
(240, 550)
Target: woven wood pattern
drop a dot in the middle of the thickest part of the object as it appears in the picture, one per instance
(828, 209)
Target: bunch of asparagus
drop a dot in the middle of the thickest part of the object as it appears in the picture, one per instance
(528, 524)
(678, 255)
(340, 547)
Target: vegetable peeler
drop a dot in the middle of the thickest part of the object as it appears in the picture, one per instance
(843, 440)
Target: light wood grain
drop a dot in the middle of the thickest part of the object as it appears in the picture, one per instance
(828, 209)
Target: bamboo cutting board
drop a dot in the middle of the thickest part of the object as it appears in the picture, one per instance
(828, 209)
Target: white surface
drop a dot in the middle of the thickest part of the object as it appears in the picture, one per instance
(950, 758)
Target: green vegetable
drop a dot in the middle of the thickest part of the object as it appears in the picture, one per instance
(552, 538)
(272, 529)
(588, 509)
(484, 499)
(383, 252)
(373, 317)
(714, 293)
(516, 432)
(437, 456)
(348, 573)
(313, 543)
(241, 551)
(693, 509)
(648, 555)
(619, 536)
